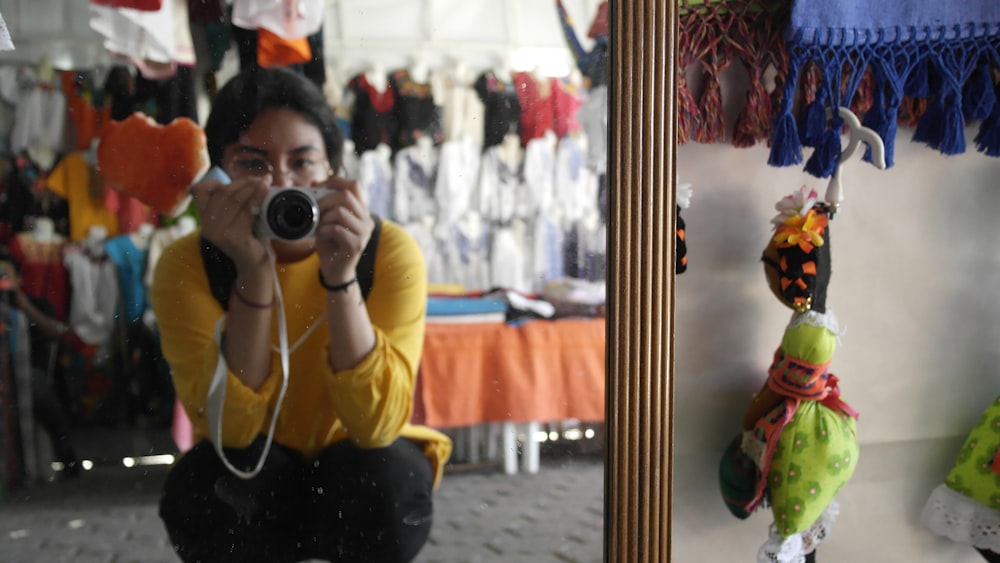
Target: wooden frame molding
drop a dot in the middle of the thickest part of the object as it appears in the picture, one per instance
(641, 178)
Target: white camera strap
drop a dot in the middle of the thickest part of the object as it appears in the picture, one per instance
(217, 388)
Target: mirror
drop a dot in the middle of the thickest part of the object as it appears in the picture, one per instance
(557, 454)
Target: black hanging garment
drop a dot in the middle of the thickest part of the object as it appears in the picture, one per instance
(502, 108)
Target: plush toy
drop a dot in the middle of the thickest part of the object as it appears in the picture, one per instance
(798, 432)
(966, 507)
(153, 163)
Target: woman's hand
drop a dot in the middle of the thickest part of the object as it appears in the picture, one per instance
(345, 225)
(227, 213)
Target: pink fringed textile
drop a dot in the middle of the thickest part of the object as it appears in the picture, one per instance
(715, 35)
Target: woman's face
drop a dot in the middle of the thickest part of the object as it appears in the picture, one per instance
(282, 144)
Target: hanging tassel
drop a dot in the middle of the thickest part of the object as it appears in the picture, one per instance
(889, 134)
(930, 126)
(713, 117)
(750, 125)
(952, 130)
(824, 159)
(875, 117)
(786, 149)
(687, 110)
(917, 83)
(978, 98)
(814, 121)
(743, 134)
(988, 139)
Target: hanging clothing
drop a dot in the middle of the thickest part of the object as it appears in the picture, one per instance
(172, 97)
(502, 108)
(537, 97)
(593, 116)
(416, 112)
(18, 458)
(539, 177)
(290, 20)
(94, 299)
(129, 211)
(508, 258)
(462, 112)
(501, 191)
(455, 188)
(118, 90)
(81, 185)
(43, 274)
(154, 41)
(39, 120)
(422, 230)
(375, 178)
(85, 115)
(17, 198)
(413, 184)
(574, 185)
(130, 262)
(468, 255)
(568, 99)
(547, 253)
(373, 116)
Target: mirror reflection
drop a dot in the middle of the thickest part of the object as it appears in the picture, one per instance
(914, 342)
(318, 284)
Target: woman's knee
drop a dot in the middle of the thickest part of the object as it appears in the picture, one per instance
(373, 503)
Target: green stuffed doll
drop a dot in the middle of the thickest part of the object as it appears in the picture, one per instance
(797, 430)
(966, 507)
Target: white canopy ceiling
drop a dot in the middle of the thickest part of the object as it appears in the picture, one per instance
(357, 32)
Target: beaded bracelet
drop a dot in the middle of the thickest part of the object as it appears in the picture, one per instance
(341, 287)
(248, 303)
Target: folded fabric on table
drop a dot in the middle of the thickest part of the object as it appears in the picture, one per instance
(437, 306)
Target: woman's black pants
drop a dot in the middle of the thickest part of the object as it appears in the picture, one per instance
(350, 504)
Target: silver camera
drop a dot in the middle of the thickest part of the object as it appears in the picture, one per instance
(289, 213)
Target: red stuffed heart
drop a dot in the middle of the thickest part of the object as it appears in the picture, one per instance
(151, 162)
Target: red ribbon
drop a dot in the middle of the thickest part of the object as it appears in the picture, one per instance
(833, 401)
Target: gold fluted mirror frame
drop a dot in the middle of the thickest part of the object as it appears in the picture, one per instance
(641, 178)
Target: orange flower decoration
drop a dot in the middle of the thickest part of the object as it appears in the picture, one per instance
(804, 231)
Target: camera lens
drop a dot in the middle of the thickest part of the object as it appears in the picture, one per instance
(291, 215)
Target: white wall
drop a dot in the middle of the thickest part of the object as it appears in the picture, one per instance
(915, 276)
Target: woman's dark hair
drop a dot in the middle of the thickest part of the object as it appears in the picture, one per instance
(246, 95)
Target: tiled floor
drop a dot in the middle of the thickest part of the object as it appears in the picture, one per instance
(481, 515)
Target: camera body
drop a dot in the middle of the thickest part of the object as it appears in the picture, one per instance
(289, 213)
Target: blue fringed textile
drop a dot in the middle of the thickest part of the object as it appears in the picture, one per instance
(946, 52)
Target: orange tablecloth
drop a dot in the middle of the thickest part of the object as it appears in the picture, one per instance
(539, 371)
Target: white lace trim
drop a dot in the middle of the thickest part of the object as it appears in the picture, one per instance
(825, 320)
(962, 519)
(794, 548)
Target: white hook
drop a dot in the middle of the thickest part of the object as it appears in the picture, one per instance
(858, 134)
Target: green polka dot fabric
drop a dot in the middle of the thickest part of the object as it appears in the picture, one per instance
(972, 475)
(815, 457)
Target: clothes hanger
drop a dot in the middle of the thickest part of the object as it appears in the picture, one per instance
(858, 134)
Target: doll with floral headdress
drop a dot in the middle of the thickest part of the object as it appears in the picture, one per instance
(797, 431)
(966, 507)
